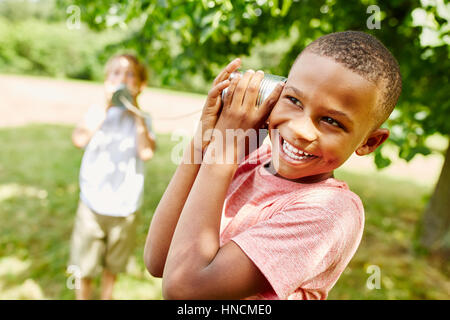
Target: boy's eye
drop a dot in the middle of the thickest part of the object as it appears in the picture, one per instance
(295, 101)
(332, 122)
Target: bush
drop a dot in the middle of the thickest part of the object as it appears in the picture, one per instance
(51, 49)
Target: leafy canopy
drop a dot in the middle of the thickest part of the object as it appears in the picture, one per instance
(179, 38)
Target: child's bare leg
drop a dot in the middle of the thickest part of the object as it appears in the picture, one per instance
(85, 291)
(108, 280)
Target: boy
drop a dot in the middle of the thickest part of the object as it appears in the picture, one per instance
(111, 179)
(233, 231)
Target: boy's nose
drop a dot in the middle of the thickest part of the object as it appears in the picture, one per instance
(304, 128)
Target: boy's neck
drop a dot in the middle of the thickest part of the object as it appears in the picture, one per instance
(307, 180)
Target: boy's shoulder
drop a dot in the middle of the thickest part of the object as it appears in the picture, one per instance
(333, 195)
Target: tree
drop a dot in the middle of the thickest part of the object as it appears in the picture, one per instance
(180, 38)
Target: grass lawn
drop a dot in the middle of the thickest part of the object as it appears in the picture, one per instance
(39, 194)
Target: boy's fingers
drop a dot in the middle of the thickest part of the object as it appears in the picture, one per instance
(215, 92)
(239, 93)
(229, 69)
(229, 95)
(272, 99)
(251, 93)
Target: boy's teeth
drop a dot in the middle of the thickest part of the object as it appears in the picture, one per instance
(293, 152)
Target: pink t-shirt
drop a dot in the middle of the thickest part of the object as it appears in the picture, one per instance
(301, 236)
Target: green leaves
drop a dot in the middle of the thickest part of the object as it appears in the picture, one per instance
(381, 161)
(434, 34)
(185, 39)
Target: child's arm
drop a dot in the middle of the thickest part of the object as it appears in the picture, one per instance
(197, 267)
(145, 140)
(169, 208)
(84, 131)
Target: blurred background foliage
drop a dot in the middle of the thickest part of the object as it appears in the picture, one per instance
(180, 39)
(34, 40)
(185, 43)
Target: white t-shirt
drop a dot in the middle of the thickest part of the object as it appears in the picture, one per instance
(111, 173)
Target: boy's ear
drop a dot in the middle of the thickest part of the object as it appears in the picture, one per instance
(373, 141)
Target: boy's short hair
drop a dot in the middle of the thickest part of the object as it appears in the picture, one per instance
(140, 67)
(368, 57)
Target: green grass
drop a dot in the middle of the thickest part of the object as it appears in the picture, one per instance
(393, 209)
(38, 199)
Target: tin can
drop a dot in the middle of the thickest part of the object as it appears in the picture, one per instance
(119, 94)
(268, 84)
(122, 98)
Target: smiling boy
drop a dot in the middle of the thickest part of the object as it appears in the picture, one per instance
(234, 230)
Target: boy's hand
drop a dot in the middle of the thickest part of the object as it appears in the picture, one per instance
(211, 109)
(240, 114)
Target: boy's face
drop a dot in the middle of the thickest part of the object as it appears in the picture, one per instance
(327, 111)
(124, 71)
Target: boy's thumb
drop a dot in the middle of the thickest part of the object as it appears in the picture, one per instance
(272, 99)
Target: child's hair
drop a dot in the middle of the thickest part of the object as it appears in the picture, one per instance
(368, 57)
(140, 67)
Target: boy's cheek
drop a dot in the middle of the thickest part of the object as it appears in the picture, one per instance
(336, 158)
(277, 117)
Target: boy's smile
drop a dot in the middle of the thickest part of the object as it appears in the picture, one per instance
(323, 115)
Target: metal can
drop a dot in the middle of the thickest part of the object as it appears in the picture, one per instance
(120, 93)
(268, 84)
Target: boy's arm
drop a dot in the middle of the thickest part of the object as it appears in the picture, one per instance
(197, 267)
(84, 131)
(146, 143)
(167, 213)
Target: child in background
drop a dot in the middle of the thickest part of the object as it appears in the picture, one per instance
(277, 225)
(117, 143)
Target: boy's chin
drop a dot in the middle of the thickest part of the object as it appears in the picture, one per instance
(299, 175)
(291, 176)
(284, 172)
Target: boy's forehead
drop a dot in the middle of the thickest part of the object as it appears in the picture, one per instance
(325, 67)
(319, 76)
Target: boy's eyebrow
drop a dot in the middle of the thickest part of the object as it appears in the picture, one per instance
(329, 111)
(341, 114)
(297, 91)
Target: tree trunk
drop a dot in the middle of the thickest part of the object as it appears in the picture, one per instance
(435, 235)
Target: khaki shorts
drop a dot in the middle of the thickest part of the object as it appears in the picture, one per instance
(100, 241)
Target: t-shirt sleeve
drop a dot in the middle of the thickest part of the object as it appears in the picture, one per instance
(295, 246)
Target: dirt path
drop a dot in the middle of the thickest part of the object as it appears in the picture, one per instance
(25, 100)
